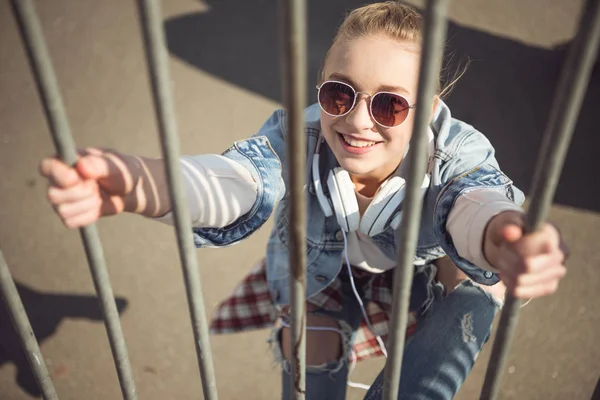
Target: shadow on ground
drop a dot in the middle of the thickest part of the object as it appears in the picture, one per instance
(46, 312)
(506, 93)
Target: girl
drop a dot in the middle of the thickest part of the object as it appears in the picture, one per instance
(470, 234)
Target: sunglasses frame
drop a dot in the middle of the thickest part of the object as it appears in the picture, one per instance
(370, 97)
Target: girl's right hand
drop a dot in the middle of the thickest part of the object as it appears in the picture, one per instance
(101, 183)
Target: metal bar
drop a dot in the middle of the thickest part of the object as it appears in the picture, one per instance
(433, 41)
(47, 85)
(567, 102)
(158, 65)
(11, 297)
(294, 75)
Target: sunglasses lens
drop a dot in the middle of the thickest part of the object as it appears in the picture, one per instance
(336, 98)
(389, 109)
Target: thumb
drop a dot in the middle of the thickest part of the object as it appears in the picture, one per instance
(505, 227)
(93, 167)
(511, 233)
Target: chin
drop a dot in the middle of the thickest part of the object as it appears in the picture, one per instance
(355, 167)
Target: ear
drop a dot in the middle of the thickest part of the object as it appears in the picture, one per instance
(434, 104)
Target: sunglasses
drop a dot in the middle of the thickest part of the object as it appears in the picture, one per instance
(339, 98)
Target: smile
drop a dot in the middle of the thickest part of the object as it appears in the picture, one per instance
(355, 142)
(357, 147)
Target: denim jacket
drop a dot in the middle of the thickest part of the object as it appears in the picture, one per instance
(463, 160)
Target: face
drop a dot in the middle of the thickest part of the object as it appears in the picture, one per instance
(368, 151)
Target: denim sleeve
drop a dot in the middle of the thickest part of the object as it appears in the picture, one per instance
(262, 155)
(473, 166)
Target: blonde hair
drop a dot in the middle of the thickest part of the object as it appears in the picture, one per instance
(392, 19)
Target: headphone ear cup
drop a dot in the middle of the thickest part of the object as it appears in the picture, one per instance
(384, 205)
(343, 199)
(379, 216)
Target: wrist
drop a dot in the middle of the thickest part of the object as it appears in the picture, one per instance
(134, 199)
(150, 195)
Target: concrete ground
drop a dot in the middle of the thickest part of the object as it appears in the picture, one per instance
(225, 71)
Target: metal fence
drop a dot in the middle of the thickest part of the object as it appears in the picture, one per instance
(565, 109)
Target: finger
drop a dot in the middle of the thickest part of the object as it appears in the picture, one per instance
(550, 235)
(512, 265)
(75, 193)
(544, 241)
(82, 220)
(546, 275)
(535, 291)
(537, 264)
(70, 210)
(59, 173)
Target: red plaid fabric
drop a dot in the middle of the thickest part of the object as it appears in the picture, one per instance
(250, 307)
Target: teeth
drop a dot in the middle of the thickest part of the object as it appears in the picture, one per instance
(357, 143)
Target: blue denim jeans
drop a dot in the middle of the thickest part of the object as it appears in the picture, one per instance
(437, 357)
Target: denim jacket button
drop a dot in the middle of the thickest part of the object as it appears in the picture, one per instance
(339, 235)
(320, 278)
(488, 274)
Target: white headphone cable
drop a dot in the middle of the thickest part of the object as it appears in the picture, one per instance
(353, 356)
(360, 302)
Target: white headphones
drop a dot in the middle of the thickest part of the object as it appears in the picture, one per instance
(383, 211)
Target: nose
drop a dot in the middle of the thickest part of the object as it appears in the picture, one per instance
(360, 117)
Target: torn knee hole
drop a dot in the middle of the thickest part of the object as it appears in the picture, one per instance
(324, 343)
(280, 344)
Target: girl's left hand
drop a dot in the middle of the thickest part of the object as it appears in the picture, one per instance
(530, 265)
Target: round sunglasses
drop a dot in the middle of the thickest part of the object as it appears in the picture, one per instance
(339, 98)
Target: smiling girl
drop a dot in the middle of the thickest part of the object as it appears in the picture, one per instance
(470, 247)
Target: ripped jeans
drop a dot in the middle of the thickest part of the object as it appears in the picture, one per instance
(437, 357)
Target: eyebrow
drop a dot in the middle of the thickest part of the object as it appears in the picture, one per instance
(382, 88)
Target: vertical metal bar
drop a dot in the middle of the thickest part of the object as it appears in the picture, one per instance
(433, 41)
(294, 67)
(158, 65)
(567, 102)
(47, 85)
(11, 297)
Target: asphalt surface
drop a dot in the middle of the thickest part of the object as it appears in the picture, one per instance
(225, 72)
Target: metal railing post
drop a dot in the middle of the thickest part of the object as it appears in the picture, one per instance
(557, 136)
(17, 312)
(47, 86)
(433, 43)
(158, 64)
(294, 76)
